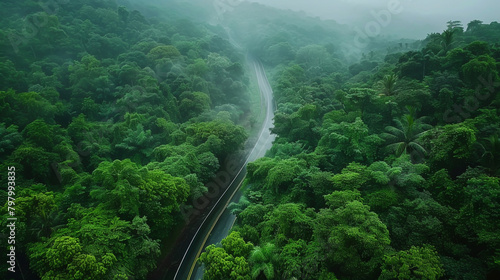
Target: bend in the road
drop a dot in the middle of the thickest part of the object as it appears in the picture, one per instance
(262, 144)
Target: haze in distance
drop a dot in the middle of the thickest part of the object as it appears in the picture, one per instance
(415, 21)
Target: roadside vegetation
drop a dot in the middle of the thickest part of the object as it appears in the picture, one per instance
(112, 120)
(386, 168)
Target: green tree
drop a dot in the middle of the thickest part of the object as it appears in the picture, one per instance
(34, 162)
(10, 139)
(231, 136)
(254, 214)
(129, 190)
(474, 25)
(478, 48)
(353, 238)
(360, 98)
(41, 134)
(163, 52)
(89, 77)
(480, 69)
(25, 107)
(288, 221)
(161, 197)
(263, 261)
(405, 136)
(415, 263)
(352, 177)
(282, 174)
(481, 210)
(312, 56)
(65, 259)
(292, 259)
(236, 246)
(137, 140)
(347, 142)
(388, 84)
(221, 265)
(418, 221)
(445, 190)
(491, 155)
(62, 251)
(447, 40)
(451, 146)
(86, 266)
(193, 104)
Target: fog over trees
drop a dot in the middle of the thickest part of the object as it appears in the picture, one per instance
(415, 21)
(116, 116)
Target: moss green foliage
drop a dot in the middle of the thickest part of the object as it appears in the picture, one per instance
(113, 119)
(385, 165)
(228, 261)
(415, 263)
(375, 173)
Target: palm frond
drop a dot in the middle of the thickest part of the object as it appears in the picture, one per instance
(396, 132)
(398, 148)
(269, 271)
(417, 147)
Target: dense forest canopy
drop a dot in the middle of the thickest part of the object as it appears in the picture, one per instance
(115, 114)
(385, 168)
(112, 120)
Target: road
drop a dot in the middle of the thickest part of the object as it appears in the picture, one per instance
(264, 143)
(217, 223)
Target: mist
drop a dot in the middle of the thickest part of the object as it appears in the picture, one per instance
(415, 20)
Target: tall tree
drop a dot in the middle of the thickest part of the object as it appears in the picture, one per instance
(415, 263)
(263, 260)
(404, 137)
(389, 84)
(353, 238)
(221, 265)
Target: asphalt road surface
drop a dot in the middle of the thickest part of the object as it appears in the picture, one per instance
(216, 224)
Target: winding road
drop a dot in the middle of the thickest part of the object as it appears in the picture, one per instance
(264, 142)
(216, 224)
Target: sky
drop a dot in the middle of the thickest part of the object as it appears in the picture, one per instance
(410, 18)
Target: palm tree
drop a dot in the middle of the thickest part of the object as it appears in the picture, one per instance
(447, 38)
(491, 154)
(263, 260)
(389, 83)
(404, 136)
(44, 224)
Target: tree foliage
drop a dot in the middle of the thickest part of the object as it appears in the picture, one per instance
(417, 262)
(115, 118)
(112, 118)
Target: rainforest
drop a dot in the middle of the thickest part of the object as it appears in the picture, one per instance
(227, 139)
